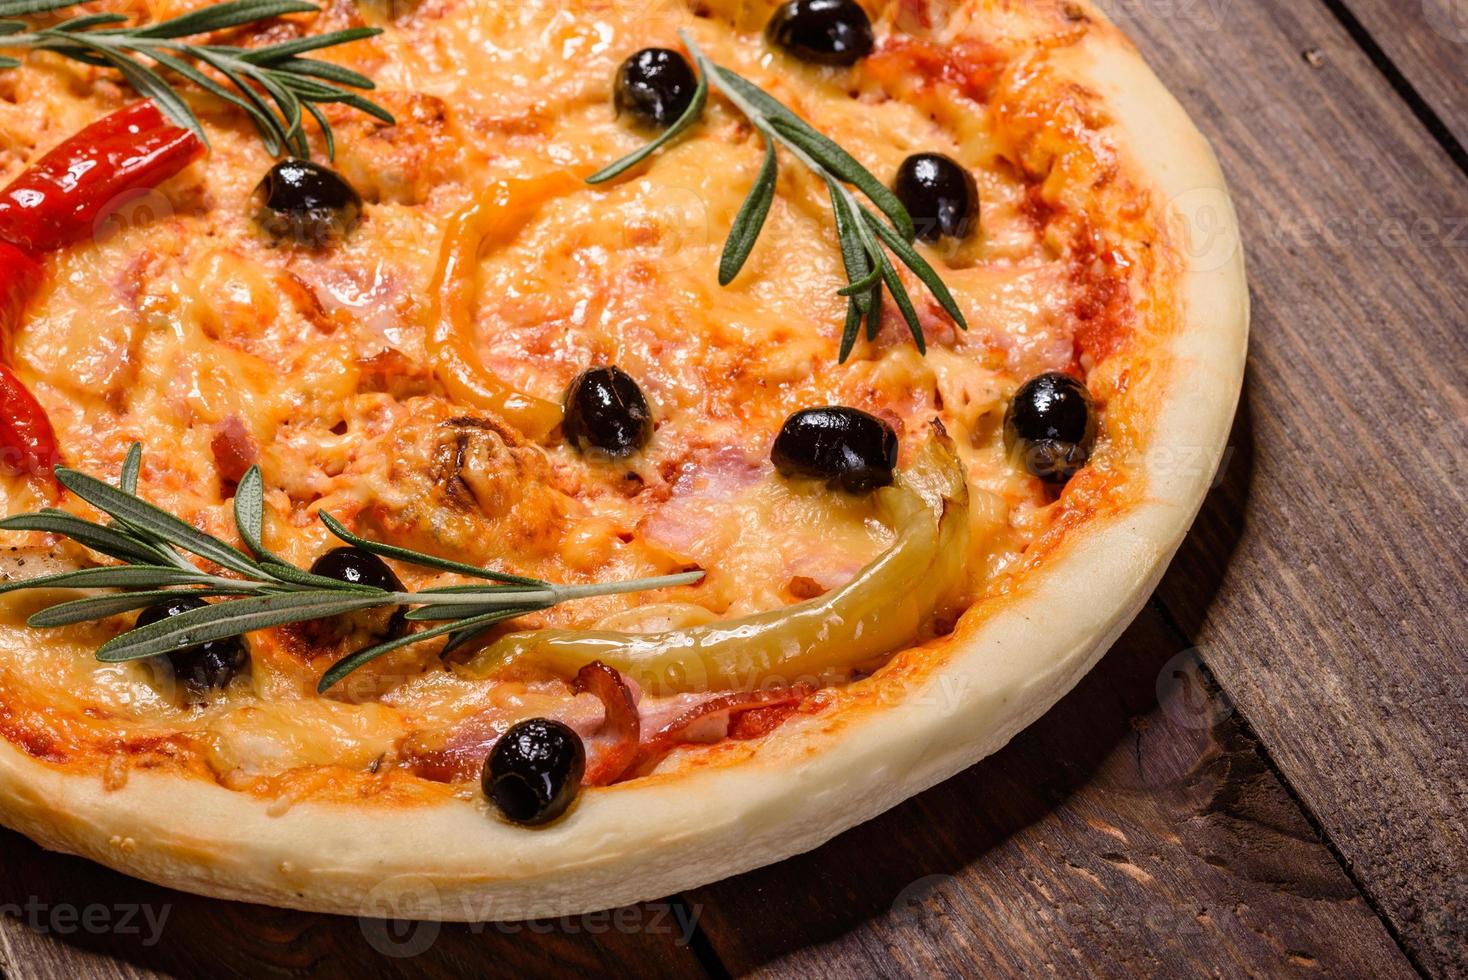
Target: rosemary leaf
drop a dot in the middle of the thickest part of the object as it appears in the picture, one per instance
(821, 148)
(113, 577)
(148, 84)
(104, 540)
(269, 126)
(874, 313)
(132, 466)
(853, 253)
(27, 8)
(85, 23)
(850, 330)
(690, 116)
(249, 511)
(208, 84)
(751, 218)
(222, 16)
(292, 575)
(439, 614)
(326, 134)
(904, 304)
(920, 267)
(273, 85)
(232, 618)
(274, 54)
(149, 520)
(421, 559)
(102, 606)
(349, 663)
(328, 70)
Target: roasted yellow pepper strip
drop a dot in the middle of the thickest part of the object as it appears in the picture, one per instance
(882, 610)
(496, 217)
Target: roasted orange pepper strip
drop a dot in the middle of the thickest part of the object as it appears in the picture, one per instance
(496, 217)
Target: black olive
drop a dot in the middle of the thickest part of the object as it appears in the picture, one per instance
(534, 771)
(357, 567)
(1052, 424)
(360, 567)
(845, 447)
(208, 665)
(606, 412)
(304, 202)
(655, 86)
(827, 32)
(940, 194)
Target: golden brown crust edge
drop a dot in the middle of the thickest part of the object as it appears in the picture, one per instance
(657, 836)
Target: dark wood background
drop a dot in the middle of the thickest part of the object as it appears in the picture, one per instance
(1267, 776)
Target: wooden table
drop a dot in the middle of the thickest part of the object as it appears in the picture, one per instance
(1268, 775)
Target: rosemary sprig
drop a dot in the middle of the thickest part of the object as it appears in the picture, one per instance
(274, 85)
(268, 591)
(860, 233)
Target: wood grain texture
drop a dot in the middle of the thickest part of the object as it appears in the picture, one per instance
(64, 918)
(1329, 586)
(1426, 42)
(1118, 836)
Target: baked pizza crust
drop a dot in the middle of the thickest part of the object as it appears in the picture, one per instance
(658, 835)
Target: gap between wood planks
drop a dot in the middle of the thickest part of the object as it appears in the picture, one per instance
(1308, 812)
(1436, 127)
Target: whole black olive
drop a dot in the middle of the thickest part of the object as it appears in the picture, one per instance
(360, 567)
(606, 412)
(845, 447)
(304, 202)
(940, 194)
(357, 567)
(208, 665)
(655, 86)
(534, 771)
(827, 32)
(1052, 424)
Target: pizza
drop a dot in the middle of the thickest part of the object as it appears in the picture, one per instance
(481, 459)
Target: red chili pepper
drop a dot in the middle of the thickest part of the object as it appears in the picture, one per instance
(62, 197)
(59, 200)
(27, 441)
(20, 277)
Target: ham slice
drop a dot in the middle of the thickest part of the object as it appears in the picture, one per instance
(717, 717)
(616, 747)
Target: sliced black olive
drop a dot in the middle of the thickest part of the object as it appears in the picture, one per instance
(846, 447)
(534, 771)
(827, 32)
(1052, 425)
(304, 202)
(206, 666)
(655, 86)
(940, 194)
(360, 567)
(606, 412)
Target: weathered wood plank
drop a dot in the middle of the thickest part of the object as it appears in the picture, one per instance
(1427, 43)
(1115, 837)
(64, 918)
(1329, 583)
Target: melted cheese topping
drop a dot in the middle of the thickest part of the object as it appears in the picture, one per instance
(181, 327)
